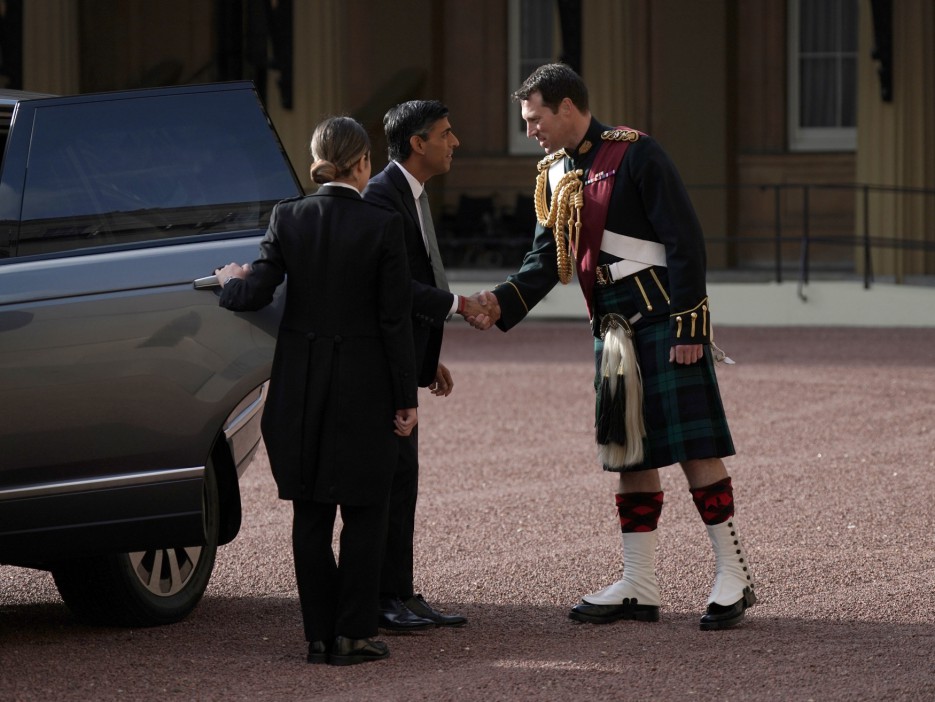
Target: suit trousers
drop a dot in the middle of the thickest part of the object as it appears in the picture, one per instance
(396, 579)
(339, 597)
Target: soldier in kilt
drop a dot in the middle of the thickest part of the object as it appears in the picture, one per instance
(612, 209)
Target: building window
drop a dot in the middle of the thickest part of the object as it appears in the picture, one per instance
(534, 41)
(823, 75)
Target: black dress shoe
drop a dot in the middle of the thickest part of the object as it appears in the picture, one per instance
(604, 614)
(724, 617)
(317, 652)
(418, 606)
(347, 651)
(396, 616)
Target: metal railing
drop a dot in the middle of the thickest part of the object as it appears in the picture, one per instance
(798, 218)
(860, 232)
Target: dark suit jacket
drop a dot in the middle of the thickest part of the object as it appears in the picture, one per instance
(430, 305)
(344, 359)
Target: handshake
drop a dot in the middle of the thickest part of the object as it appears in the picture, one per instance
(481, 310)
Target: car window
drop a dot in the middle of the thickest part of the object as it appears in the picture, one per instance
(149, 168)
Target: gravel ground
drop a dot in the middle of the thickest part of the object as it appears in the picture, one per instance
(834, 484)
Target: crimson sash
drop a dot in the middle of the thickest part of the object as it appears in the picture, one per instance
(598, 189)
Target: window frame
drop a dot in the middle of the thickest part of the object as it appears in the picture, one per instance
(519, 144)
(809, 139)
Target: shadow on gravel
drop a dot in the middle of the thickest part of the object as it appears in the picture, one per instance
(250, 648)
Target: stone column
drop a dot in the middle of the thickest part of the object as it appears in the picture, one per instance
(661, 67)
(895, 140)
(50, 46)
(317, 79)
(615, 60)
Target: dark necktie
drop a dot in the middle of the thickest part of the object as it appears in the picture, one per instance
(435, 257)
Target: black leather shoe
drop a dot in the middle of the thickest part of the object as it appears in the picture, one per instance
(604, 614)
(396, 616)
(418, 606)
(347, 651)
(317, 652)
(724, 617)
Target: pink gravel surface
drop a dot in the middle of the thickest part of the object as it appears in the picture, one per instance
(834, 480)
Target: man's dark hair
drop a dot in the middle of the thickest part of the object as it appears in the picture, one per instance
(555, 82)
(413, 118)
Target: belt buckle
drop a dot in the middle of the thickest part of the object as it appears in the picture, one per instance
(612, 320)
(603, 275)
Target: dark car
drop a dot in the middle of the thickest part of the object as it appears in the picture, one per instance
(130, 400)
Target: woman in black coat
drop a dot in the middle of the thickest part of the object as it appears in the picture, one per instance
(343, 383)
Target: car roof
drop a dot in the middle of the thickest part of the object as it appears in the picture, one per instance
(8, 101)
(10, 97)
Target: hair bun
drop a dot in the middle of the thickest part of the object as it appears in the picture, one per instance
(323, 171)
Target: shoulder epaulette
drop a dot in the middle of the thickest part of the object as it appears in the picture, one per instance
(620, 135)
(550, 159)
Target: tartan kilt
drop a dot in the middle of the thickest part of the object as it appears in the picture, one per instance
(682, 408)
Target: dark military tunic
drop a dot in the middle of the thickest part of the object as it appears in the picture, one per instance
(682, 408)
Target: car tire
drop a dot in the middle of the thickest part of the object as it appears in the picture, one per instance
(144, 588)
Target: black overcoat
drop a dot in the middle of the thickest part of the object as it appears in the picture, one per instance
(344, 358)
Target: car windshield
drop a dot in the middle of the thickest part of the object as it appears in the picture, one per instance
(119, 171)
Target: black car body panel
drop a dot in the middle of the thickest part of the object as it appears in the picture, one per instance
(116, 376)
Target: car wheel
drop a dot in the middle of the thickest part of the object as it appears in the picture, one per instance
(143, 588)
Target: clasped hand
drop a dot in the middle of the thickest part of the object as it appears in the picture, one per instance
(405, 421)
(481, 310)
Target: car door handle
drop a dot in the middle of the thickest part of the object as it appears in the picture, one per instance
(206, 283)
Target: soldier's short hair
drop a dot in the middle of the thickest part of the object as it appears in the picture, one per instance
(555, 82)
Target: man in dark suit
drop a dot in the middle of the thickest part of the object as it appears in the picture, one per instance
(421, 145)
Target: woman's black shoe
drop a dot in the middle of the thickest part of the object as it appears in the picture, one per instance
(317, 652)
(347, 651)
